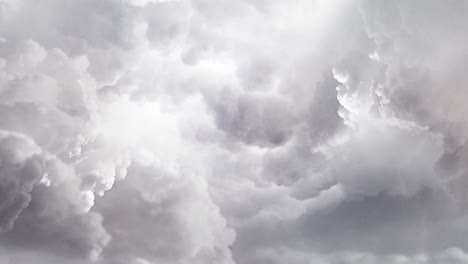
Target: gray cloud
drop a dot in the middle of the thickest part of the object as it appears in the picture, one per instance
(20, 169)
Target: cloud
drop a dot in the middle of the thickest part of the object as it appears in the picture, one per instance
(20, 168)
(197, 131)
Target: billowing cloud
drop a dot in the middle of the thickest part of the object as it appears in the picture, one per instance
(247, 132)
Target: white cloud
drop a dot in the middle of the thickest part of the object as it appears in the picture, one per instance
(198, 131)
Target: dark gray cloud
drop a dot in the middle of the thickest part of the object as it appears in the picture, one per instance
(197, 131)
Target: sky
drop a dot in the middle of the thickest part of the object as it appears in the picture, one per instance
(233, 132)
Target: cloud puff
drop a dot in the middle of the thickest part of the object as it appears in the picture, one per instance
(20, 168)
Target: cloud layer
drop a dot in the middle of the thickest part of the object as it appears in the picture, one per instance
(233, 132)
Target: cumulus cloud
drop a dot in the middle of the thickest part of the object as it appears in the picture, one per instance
(265, 131)
(21, 168)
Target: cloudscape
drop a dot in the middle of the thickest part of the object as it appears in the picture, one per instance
(233, 132)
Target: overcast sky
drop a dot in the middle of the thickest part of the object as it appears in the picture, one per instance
(233, 132)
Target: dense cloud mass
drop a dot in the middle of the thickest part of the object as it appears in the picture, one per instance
(233, 132)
